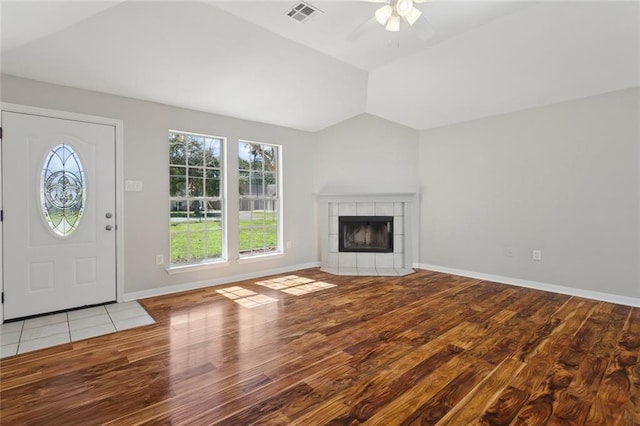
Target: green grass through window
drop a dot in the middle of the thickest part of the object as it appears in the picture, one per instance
(205, 237)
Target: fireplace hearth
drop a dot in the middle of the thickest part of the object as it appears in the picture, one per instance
(365, 234)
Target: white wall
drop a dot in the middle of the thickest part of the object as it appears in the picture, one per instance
(563, 179)
(366, 154)
(146, 159)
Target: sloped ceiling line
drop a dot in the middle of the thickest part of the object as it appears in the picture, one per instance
(488, 58)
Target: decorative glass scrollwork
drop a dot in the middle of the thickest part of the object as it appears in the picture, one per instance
(62, 190)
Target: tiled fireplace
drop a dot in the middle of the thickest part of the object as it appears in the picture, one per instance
(367, 234)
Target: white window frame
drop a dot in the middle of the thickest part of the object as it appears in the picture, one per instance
(209, 261)
(279, 251)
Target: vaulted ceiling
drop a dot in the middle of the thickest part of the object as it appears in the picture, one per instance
(248, 59)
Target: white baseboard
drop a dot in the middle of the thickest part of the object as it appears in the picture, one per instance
(213, 282)
(588, 294)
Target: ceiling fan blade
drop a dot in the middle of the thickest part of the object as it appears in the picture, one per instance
(421, 1)
(363, 28)
(376, 1)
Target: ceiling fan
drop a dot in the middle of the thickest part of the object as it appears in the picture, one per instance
(394, 11)
(391, 14)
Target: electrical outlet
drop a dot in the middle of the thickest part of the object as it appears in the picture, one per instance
(508, 252)
(536, 255)
(288, 244)
(159, 259)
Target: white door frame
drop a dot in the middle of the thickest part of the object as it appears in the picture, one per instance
(118, 124)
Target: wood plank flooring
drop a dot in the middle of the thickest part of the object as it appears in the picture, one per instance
(428, 348)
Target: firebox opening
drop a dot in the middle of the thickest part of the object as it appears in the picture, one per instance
(365, 234)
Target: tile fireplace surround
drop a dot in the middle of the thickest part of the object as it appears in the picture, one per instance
(402, 206)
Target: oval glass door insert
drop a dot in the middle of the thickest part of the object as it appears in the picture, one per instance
(62, 190)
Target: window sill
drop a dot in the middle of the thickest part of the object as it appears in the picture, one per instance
(171, 270)
(260, 257)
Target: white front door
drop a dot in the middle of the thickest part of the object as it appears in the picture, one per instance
(59, 236)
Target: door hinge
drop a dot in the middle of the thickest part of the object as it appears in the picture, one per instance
(0, 132)
(1, 215)
(2, 297)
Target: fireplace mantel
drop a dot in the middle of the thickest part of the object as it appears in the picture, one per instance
(402, 205)
(366, 197)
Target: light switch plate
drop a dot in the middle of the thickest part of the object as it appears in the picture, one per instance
(133, 185)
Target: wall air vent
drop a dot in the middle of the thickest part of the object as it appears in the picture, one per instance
(303, 12)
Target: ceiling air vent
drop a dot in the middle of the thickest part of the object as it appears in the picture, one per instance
(303, 12)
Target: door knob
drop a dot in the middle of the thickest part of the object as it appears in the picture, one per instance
(108, 227)
(108, 215)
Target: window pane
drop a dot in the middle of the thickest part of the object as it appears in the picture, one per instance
(177, 186)
(271, 237)
(195, 147)
(212, 183)
(178, 206)
(214, 244)
(243, 183)
(258, 210)
(195, 173)
(212, 173)
(244, 155)
(271, 157)
(196, 243)
(256, 162)
(196, 210)
(177, 171)
(179, 248)
(255, 180)
(196, 188)
(177, 149)
(270, 185)
(270, 211)
(213, 188)
(211, 222)
(212, 152)
(245, 242)
(214, 207)
(177, 181)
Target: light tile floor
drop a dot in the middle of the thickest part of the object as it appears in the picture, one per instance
(42, 332)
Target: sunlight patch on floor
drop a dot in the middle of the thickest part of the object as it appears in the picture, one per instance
(245, 297)
(291, 284)
(308, 288)
(284, 282)
(295, 285)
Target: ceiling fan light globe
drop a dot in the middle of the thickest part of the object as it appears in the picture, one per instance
(393, 24)
(403, 7)
(383, 14)
(413, 16)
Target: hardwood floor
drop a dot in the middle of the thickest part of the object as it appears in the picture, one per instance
(422, 349)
